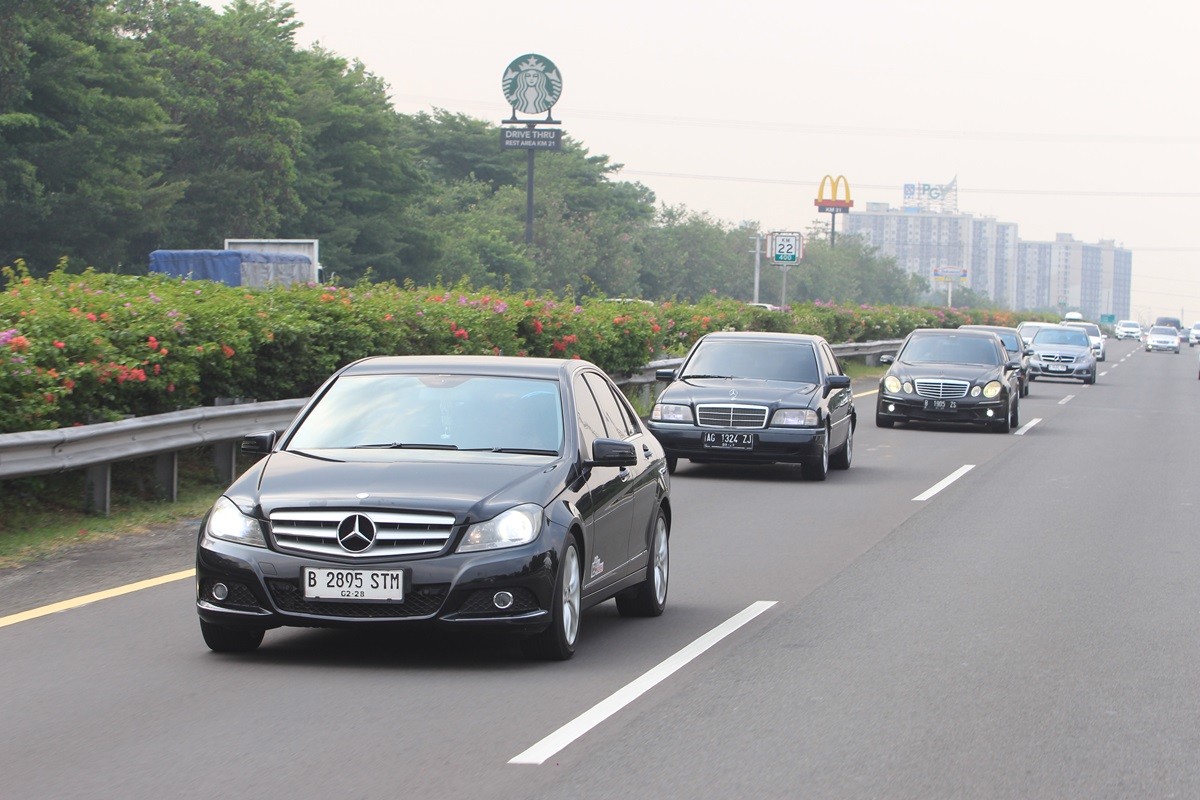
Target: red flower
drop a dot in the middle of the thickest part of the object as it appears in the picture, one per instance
(18, 343)
(91, 317)
(461, 333)
(227, 350)
(60, 345)
(153, 343)
(537, 326)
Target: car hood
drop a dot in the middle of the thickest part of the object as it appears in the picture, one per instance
(935, 369)
(468, 485)
(740, 390)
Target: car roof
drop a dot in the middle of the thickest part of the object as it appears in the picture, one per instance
(761, 336)
(977, 333)
(996, 328)
(509, 366)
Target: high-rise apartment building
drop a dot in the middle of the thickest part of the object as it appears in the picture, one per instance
(1067, 275)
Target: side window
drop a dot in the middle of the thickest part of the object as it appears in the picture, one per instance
(591, 422)
(832, 367)
(615, 420)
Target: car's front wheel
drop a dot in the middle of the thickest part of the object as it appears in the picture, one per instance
(649, 598)
(883, 422)
(672, 463)
(816, 468)
(557, 642)
(230, 640)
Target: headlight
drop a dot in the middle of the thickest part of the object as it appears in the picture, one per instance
(227, 523)
(892, 384)
(795, 416)
(669, 412)
(517, 526)
(992, 389)
(975, 390)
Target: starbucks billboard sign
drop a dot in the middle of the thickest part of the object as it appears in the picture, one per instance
(531, 84)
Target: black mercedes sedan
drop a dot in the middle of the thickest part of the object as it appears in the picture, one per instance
(757, 398)
(943, 375)
(469, 492)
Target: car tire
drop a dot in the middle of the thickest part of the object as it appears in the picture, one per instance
(230, 640)
(672, 463)
(882, 421)
(1090, 381)
(649, 598)
(1003, 425)
(842, 458)
(557, 642)
(816, 469)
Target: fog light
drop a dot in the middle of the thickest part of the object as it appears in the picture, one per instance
(991, 413)
(220, 591)
(503, 600)
(891, 407)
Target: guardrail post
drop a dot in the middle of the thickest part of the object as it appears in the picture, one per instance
(97, 489)
(166, 475)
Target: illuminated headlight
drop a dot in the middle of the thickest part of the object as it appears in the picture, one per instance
(668, 412)
(993, 389)
(517, 526)
(975, 390)
(227, 523)
(907, 387)
(795, 416)
(892, 384)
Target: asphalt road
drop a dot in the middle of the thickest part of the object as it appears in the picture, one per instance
(1028, 631)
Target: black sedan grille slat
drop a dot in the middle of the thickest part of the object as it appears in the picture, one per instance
(731, 416)
(941, 389)
(420, 602)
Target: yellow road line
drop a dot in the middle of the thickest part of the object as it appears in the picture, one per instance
(866, 394)
(67, 605)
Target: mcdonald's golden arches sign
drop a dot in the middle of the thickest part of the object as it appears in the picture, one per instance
(831, 204)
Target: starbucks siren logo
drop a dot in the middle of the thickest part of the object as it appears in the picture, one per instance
(531, 84)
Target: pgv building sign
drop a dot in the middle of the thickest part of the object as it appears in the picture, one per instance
(941, 197)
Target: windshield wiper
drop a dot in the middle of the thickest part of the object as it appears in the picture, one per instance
(529, 451)
(697, 375)
(404, 446)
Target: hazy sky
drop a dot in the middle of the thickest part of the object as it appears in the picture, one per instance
(1073, 117)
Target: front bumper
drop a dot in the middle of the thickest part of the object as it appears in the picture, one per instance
(1051, 369)
(969, 410)
(264, 589)
(770, 445)
(1165, 347)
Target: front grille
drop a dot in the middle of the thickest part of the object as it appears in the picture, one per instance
(732, 416)
(941, 389)
(397, 533)
(420, 602)
(1060, 358)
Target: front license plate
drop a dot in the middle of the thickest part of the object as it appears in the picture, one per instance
(1057, 367)
(728, 441)
(941, 405)
(352, 584)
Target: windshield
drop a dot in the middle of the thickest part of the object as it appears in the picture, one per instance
(1061, 336)
(1159, 330)
(762, 360)
(950, 349)
(440, 412)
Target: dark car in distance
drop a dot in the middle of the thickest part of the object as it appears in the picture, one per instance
(745, 397)
(945, 375)
(470, 492)
(1013, 344)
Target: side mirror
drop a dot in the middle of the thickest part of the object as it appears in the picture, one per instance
(835, 382)
(258, 444)
(1013, 365)
(665, 375)
(612, 453)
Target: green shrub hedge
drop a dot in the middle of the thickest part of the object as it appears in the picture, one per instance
(92, 347)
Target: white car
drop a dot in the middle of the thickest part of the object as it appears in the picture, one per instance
(1128, 329)
(1194, 334)
(1095, 335)
(1162, 337)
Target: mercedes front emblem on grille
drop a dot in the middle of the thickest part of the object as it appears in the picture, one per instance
(356, 533)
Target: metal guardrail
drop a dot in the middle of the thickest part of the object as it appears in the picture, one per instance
(96, 448)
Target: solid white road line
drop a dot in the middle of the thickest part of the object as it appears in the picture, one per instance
(1028, 425)
(67, 605)
(577, 727)
(944, 482)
